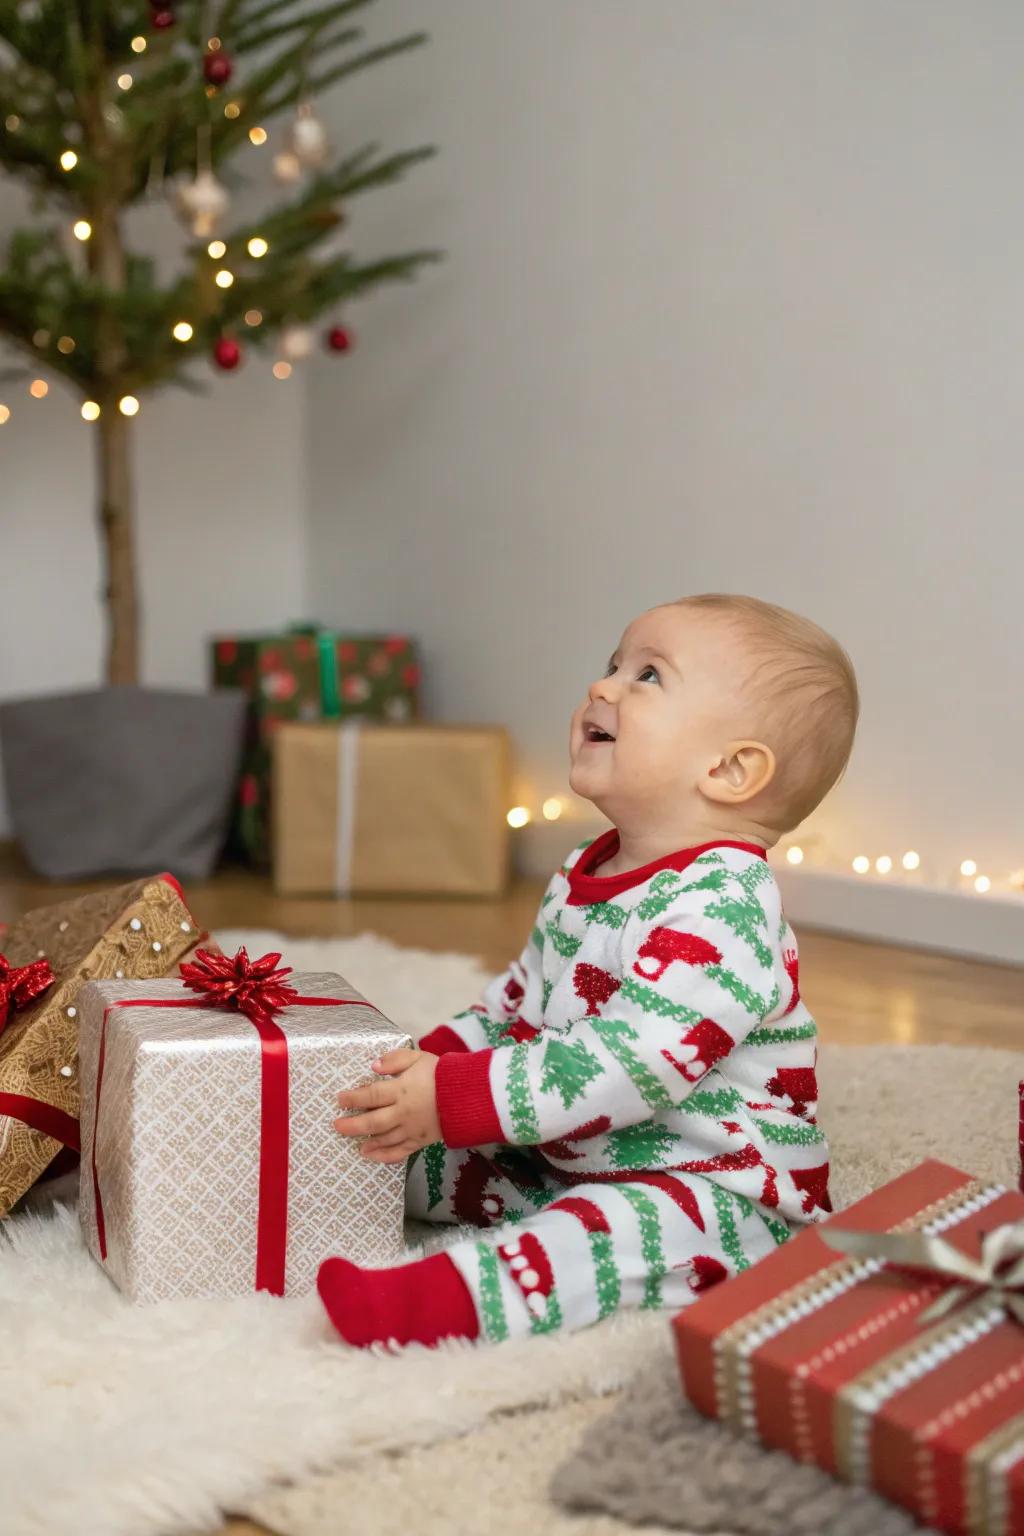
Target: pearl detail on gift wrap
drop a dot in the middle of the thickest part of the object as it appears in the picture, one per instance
(119, 975)
(157, 946)
(62, 927)
(135, 924)
(67, 1071)
(72, 1013)
(185, 927)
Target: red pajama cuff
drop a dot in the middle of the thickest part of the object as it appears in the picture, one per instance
(465, 1104)
(442, 1039)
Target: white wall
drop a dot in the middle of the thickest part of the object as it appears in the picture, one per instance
(733, 301)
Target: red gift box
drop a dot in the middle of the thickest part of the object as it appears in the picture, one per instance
(832, 1359)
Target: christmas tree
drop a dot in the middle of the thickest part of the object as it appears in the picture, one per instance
(111, 103)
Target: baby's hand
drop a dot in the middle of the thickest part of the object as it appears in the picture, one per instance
(400, 1114)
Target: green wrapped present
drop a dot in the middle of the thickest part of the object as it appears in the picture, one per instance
(306, 673)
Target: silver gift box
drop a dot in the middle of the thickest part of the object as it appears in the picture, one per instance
(178, 1140)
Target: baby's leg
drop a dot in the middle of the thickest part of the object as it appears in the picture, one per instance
(653, 1242)
(481, 1186)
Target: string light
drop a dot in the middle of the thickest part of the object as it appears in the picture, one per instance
(214, 44)
(5, 414)
(257, 135)
(282, 370)
(224, 278)
(82, 229)
(182, 331)
(216, 249)
(138, 44)
(39, 389)
(90, 410)
(861, 864)
(982, 883)
(40, 338)
(68, 160)
(66, 344)
(968, 868)
(258, 246)
(128, 405)
(12, 123)
(795, 855)
(254, 317)
(518, 816)
(551, 810)
(911, 860)
(884, 864)
(232, 109)
(125, 81)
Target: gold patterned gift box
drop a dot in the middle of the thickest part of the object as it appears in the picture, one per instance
(210, 1161)
(369, 809)
(142, 929)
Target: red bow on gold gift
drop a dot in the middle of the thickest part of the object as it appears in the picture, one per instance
(254, 987)
(21, 985)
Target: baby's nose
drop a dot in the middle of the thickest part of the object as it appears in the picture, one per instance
(601, 688)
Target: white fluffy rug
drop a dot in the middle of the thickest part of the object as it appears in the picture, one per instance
(121, 1421)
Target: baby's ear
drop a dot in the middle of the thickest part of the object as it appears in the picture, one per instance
(743, 770)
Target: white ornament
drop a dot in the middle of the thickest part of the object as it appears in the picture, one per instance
(287, 168)
(203, 203)
(296, 342)
(308, 138)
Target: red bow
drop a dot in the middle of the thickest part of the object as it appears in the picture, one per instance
(253, 987)
(21, 985)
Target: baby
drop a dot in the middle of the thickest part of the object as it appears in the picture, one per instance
(629, 1113)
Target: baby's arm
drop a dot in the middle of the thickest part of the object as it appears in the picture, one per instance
(697, 976)
(515, 994)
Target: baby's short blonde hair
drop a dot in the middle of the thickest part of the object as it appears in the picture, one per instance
(803, 691)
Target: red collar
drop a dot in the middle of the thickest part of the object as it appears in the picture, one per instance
(585, 887)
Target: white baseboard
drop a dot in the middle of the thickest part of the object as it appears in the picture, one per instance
(989, 927)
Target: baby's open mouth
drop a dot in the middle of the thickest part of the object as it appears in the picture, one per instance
(594, 733)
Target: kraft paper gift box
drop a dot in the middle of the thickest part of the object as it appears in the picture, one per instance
(888, 1361)
(305, 673)
(210, 1161)
(142, 929)
(363, 809)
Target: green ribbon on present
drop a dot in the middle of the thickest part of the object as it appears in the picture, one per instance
(998, 1275)
(327, 645)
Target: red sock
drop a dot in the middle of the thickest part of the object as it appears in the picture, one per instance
(416, 1303)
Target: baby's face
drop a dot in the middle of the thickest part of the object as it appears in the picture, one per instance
(660, 717)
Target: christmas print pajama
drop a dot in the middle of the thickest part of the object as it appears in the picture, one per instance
(558, 1257)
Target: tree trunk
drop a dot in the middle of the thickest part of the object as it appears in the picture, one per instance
(115, 511)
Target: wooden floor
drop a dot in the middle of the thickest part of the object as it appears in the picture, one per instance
(860, 993)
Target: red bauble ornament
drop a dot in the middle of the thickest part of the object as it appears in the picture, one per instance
(217, 68)
(226, 352)
(163, 19)
(339, 339)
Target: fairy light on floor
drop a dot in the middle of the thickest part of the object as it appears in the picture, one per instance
(551, 810)
(795, 855)
(968, 868)
(884, 864)
(982, 884)
(518, 816)
(911, 860)
(861, 864)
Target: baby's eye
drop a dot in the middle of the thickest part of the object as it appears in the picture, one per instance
(653, 672)
(609, 669)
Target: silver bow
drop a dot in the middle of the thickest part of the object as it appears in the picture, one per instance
(998, 1274)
